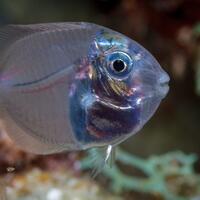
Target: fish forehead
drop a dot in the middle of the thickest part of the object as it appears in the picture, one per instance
(108, 39)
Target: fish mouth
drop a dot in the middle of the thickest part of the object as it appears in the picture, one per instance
(163, 90)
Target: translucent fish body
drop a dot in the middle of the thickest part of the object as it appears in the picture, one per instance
(72, 86)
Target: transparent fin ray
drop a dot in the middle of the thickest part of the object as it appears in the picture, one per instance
(103, 157)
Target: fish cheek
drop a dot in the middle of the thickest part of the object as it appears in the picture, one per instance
(108, 124)
(96, 124)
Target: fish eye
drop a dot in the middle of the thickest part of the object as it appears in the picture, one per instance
(119, 64)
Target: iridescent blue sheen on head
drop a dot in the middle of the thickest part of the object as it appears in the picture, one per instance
(118, 91)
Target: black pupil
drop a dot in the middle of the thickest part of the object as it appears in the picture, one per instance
(118, 65)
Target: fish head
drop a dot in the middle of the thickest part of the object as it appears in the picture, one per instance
(127, 85)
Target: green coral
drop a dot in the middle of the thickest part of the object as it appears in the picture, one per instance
(170, 175)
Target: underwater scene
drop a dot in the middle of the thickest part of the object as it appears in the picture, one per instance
(100, 100)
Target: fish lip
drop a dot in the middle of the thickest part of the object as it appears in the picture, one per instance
(163, 89)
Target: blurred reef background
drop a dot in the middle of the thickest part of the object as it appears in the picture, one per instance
(163, 160)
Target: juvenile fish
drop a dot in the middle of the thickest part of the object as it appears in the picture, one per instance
(73, 86)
